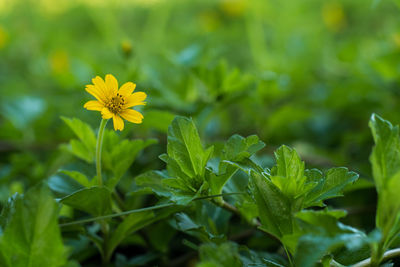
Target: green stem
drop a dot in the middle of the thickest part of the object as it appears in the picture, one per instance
(123, 213)
(394, 253)
(99, 218)
(99, 144)
(377, 255)
(105, 230)
(289, 256)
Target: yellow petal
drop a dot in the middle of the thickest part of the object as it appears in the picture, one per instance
(132, 115)
(127, 89)
(106, 114)
(112, 84)
(93, 105)
(118, 123)
(101, 86)
(94, 91)
(135, 99)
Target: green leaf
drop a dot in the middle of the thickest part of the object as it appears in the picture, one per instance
(186, 161)
(79, 177)
(321, 234)
(217, 182)
(246, 166)
(385, 159)
(326, 218)
(62, 185)
(312, 248)
(184, 146)
(82, 130)
(288, 163)
(158, 119)
(307, 188)
(31, 236)
(80, 150)
(153, 180)
(261, 258)
(225, 254)
(95, 200)
(288, 174)
(336, 179)
(237, 149)
(160, 236)
(135, 222)
(174, 189)
(179, 193)
(244, 202)
(197, 228)
(129, 225)
(273, 206)
(86, 146)
(121, 156)
(388, 210)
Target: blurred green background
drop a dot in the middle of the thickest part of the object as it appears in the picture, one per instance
(303, 73)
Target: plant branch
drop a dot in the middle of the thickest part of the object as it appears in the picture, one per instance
(387, 255)
(116, 214)
(137, 210)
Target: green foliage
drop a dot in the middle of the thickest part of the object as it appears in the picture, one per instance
(330, 186)
(283, 193)
(84, 147)
(133, 223)
(303, 73)
(237, 148)
(158, 119)
(80, 178)
(186, 159)
(273, 206)
(385, 160)
(129, 225)
(199, 181)
(321, 234)
(220, 82)
(207, 224)
(94, 200)
(226, 254)
(119, 155)
(187, 164)
(31, 236)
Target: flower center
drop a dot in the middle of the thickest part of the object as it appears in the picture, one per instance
(116, 103)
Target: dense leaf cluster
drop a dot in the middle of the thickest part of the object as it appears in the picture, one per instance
(198, 194)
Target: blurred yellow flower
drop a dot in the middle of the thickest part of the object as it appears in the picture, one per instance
(126, 47)
(333, 15)
(113, 102)
(59, 62)
(233, 8)
(209, 21)
(3, 37)
(396, 39)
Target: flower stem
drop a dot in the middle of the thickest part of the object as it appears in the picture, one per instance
(99, 144)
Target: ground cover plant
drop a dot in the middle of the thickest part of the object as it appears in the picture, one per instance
(199, 133)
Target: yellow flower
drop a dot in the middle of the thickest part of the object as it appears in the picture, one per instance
(113, 102)
(59, 62)
(3, 37)
(333, 15)
(233, 8)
